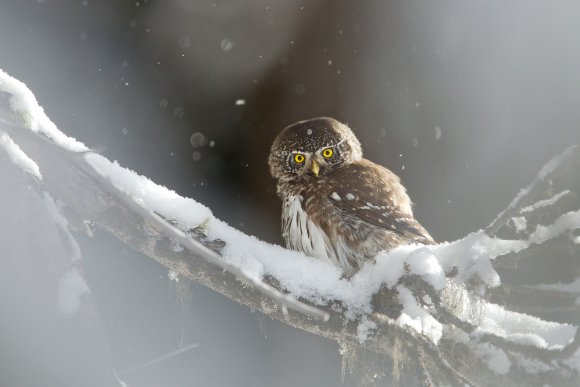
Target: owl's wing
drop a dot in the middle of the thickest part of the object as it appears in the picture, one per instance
(386, 217)
(373, 196)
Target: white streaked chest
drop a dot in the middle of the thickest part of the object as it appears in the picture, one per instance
(301, 233)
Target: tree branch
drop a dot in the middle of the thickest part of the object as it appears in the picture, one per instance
(91, 197)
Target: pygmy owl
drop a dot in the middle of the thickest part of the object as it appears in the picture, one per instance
(336, 204)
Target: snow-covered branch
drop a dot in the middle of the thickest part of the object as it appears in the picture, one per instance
(442, 314)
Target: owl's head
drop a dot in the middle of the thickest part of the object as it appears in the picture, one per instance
(311, 148)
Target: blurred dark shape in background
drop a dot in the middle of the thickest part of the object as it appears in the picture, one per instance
(464, 100)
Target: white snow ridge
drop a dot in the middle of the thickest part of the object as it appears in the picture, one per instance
(18, 157)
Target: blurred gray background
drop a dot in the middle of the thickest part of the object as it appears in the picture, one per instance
(465, 100)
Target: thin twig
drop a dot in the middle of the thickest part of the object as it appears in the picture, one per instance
(157, 360)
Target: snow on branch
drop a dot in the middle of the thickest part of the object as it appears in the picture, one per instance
(443, 314)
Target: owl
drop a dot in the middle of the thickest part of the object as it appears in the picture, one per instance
(336, 205)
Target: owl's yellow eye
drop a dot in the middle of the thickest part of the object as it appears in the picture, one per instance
(298, 158)
(327, 153)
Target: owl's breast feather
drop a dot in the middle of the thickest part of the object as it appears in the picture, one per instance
(300, 232)
(303, 232)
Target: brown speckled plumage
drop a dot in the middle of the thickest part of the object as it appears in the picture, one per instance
(349, 208)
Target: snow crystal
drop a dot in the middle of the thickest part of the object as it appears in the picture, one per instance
(240, 102)
(71, 287)
(198, 140)
(178, 112)
(226, 45)
(438, 133)
(18, 157)
(335, 196)
(24, 104)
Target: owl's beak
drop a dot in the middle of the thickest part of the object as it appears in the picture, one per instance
(315, 168)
